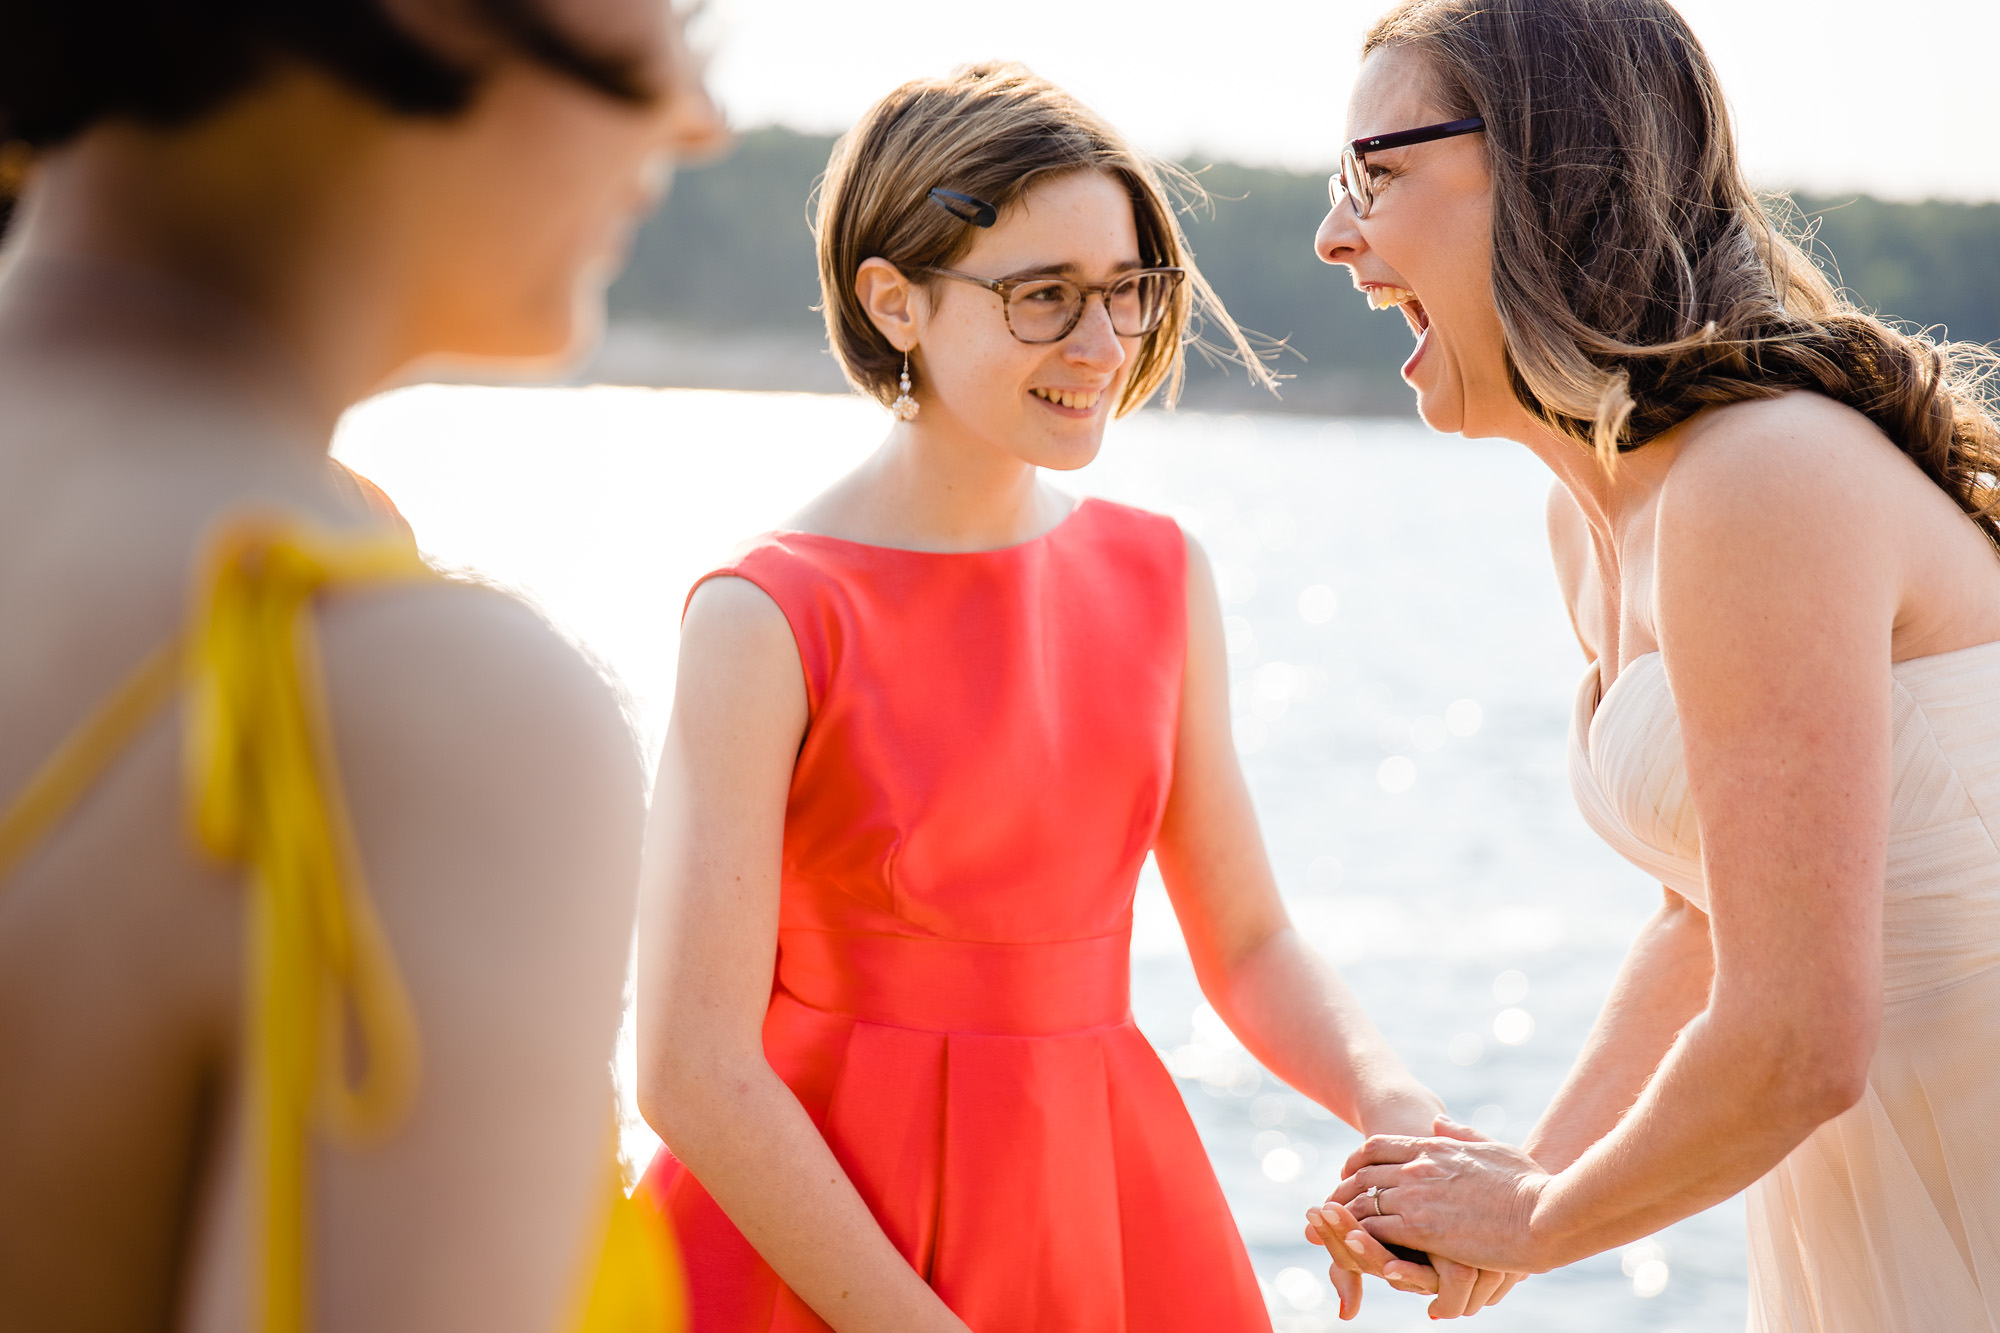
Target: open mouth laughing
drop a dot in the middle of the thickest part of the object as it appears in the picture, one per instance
(1402, 298)
(1383, 296)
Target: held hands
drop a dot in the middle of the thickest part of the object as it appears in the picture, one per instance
(1457, 1191)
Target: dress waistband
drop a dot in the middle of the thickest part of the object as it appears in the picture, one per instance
(1012, 990)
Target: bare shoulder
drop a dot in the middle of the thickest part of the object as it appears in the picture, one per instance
(488, 766)
(1785, 523)
(728, 612)
(1799, 458)
(453, 673)
(741, 672)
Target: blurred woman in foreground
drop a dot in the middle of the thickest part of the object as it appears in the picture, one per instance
(1774, 521)
(923, 739)
(240, 220)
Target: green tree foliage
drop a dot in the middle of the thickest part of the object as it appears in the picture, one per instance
(1932, 264)
(731, 249)
(731, 253)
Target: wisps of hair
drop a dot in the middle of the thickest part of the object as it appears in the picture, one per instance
(1638, 277)
(993, 131)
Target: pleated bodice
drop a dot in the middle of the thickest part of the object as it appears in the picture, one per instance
(1887, 1219)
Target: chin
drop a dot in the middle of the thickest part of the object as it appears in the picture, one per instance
(555, 335)
(1067, 455)
(1067, 462)
(1443, 417)
(525, 355)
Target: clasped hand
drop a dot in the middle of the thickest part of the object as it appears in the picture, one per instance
(1462, 1199)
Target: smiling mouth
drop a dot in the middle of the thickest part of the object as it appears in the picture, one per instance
(1402, 298)
(1076, 399)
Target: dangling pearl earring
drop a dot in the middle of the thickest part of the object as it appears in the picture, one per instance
(905, 407)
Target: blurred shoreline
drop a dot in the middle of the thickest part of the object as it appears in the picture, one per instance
(651, 354)
(722, 286)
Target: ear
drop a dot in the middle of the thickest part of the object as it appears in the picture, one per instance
(892, 302)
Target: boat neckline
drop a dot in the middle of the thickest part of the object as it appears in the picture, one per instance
(1036, 540)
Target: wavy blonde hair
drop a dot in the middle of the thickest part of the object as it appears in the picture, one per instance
(1638, 277)
(992, 131)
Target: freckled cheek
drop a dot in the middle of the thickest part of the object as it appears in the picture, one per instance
(979, 374)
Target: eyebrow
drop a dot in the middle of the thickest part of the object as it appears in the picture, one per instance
(1066, 270)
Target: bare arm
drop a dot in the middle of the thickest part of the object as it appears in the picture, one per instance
(1776, 627)
(1664, 981)
(1288, 1005)
(707, 944)
(1661, 987)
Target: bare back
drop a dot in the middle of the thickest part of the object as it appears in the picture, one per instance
(496, 802)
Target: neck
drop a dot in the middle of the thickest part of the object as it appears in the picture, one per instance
(939, 492)
(1603, 496)
(224, 252)
(127, 324)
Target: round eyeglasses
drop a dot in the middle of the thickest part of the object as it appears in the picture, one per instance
(1354, 182)
(1047, 310)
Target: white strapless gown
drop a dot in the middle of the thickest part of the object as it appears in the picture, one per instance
(1887, 1219)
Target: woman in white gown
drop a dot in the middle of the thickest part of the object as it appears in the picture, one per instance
(1775, 525)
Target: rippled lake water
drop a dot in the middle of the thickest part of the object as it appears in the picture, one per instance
(1402, 678)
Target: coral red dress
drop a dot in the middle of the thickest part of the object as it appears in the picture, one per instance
(988, 755)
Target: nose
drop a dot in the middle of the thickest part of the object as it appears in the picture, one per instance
(693, 127)
(1339, 239)
(690, 125)
(1093, 342)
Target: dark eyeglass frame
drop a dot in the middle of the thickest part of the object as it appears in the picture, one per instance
(1005, 288)
(1351, 181)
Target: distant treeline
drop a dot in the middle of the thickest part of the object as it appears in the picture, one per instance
(731, 254)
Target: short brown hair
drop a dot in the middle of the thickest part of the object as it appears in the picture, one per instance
(991, 131)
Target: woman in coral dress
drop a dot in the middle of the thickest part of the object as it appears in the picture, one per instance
(924, 738)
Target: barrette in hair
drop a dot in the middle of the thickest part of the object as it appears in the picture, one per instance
(965, 208)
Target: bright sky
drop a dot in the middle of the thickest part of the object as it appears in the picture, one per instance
(1896, 97)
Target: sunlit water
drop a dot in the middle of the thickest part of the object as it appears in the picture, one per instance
(1403, 672)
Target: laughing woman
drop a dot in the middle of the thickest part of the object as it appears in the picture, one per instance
(1774, 520)
(923, 739)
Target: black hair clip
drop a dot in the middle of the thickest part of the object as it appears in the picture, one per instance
(965, 208)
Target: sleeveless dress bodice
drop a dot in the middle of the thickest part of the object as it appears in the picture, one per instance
(987, 758)
(1886, 1219)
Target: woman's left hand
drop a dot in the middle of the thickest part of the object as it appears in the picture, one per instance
(1470, 1199)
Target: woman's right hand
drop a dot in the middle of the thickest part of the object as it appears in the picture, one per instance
(1460, 1288)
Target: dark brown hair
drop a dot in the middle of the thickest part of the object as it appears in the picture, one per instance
(65, 65)
(1638, 277)
(991, 131)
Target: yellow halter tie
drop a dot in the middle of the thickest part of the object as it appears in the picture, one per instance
(264, 793)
